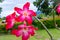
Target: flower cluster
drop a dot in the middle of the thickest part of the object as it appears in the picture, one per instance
(25, 16)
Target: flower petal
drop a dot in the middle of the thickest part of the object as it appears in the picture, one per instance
(25, 36)
(58, 9)
(29, 19)
(21, 26)
(13, 15)
(17, 32)
(10, 17)
(17, 19)
(10, 20)
(26, 6)
(21, 18)
(18, 10)
(9, 25)
(31, 31)
(32, 12)
(14, 32)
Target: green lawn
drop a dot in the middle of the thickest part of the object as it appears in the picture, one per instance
(40, 35)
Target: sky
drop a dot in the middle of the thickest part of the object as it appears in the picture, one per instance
(8, 6)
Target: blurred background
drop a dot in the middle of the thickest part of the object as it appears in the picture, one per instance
(46, 12)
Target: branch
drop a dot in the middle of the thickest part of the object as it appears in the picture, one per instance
(45, 28)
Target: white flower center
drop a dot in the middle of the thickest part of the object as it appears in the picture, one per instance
(25, 13)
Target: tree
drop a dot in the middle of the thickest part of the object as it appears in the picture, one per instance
(0, 10)
(0, 7)
(1, 0)
(43, 5)
(57, 1)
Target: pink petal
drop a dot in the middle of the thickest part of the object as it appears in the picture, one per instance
(21, 18)
(16, 32)
(34, 28)
(31, 31)
(26, 6)
(13, 15)
(19, 32)
(22, 26)
(9, 25)
(18, 10)
(10, 17)
(29, 19)
(25, 36)
(10, 20)
(17, 19)
(32, 12)
(58, 9)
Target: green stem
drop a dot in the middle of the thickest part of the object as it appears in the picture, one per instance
(55, 22)
(45, 28)
(54, 18)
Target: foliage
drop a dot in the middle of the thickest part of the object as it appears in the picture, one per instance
(0, 7)
(1, 0)
(41, 15)
(0, 10)
(2, 29)
(3, 18)
(48, 22)
(44, 7)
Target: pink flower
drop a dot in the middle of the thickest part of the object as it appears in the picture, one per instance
(25, 31)
(58, 9)
(25, 13)
(10, 20)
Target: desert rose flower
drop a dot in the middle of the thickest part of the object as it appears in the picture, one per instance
(58, 9)
(24, 31)
(10, 20)
(25, 13)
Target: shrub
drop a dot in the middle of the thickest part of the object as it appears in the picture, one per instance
(48, 23)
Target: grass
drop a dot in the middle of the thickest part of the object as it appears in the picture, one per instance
(40, 35)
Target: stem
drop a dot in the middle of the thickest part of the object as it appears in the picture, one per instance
(45, 28)
(54, 18)
(55, 22)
